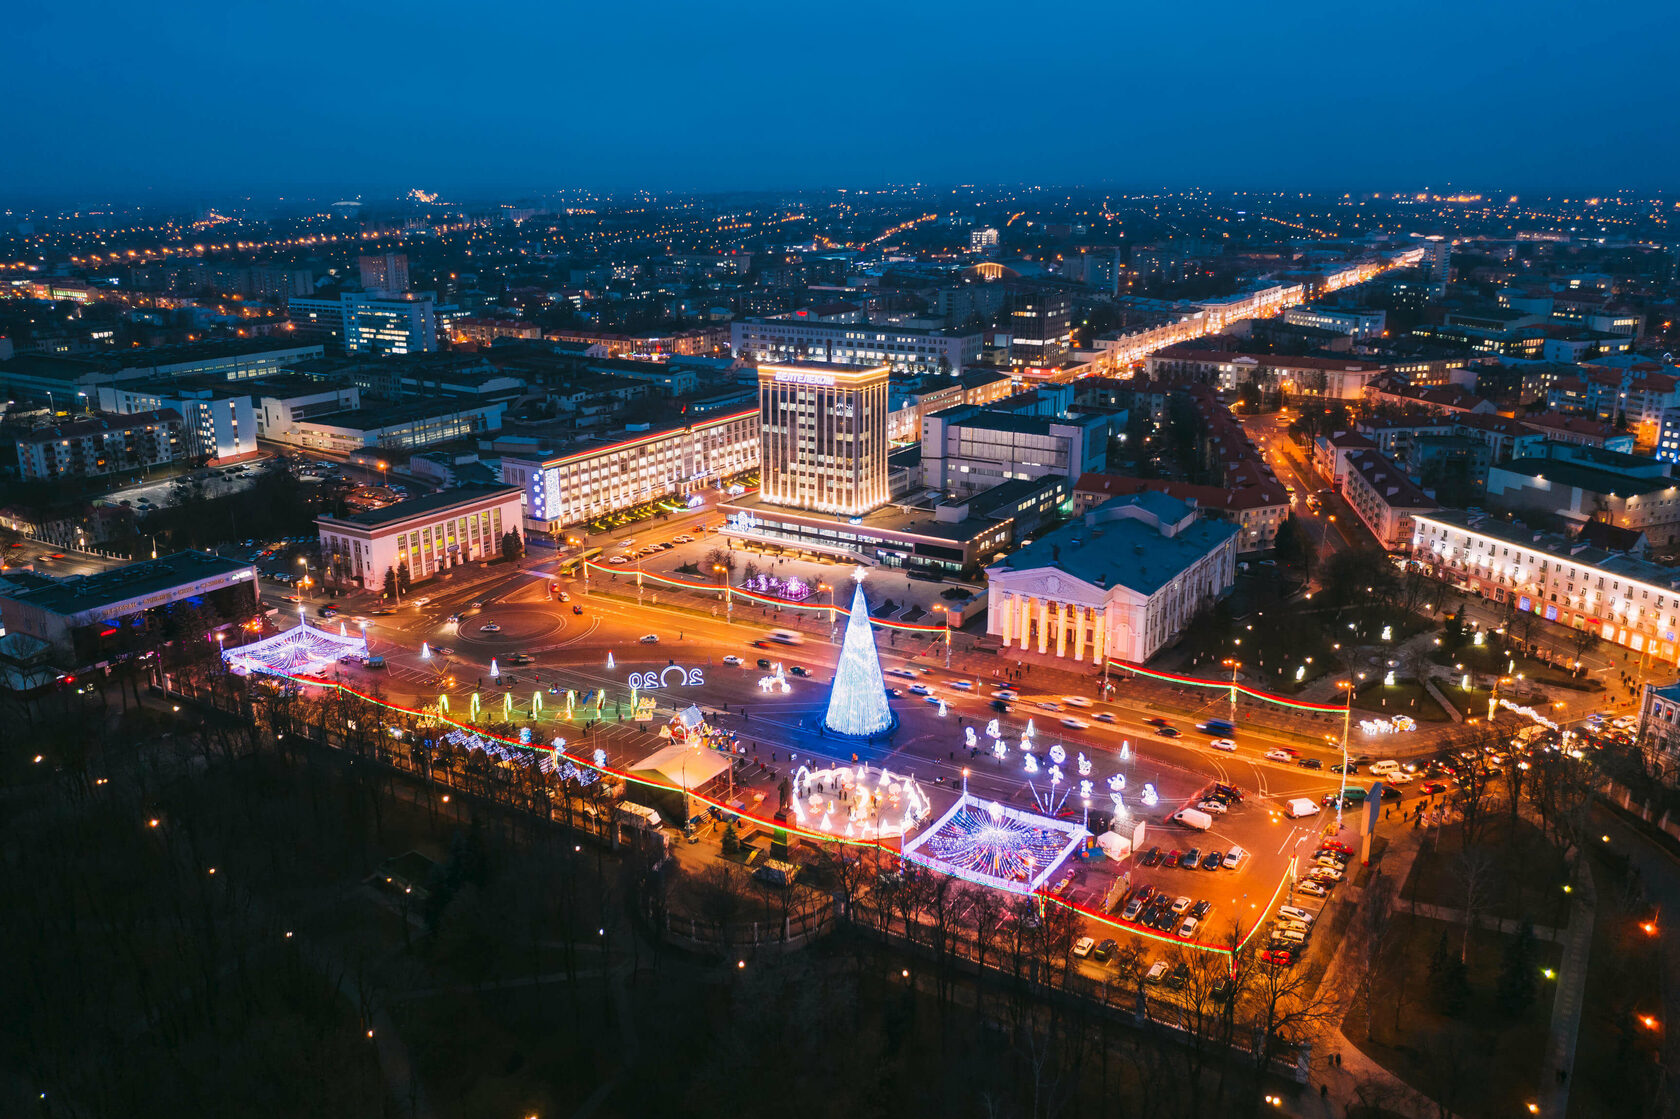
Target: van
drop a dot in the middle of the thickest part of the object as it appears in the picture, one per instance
(786, 637)
(1299, 807)
(1193, 818)
(1384, 768)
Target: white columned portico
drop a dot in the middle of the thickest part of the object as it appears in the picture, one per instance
(1005, 609)
(1079, 622)
(1043, 625)
(1062, 611)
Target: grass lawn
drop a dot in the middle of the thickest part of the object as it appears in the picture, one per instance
(1405, 697)
(1524, 879)
(1482, 1064)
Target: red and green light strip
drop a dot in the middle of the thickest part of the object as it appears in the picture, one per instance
(1224, 686)
(768, 600)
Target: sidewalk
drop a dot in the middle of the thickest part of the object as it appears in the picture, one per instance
(1571, 990)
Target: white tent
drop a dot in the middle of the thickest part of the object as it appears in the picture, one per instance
(684, 766)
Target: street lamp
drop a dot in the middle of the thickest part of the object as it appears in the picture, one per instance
(306, 582)
(831, 612)
(728, 592)
(1234, 665)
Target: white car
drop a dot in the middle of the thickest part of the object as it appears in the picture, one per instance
(1075, 724)
(1223, 744)
(1213, 807)
(1006, 693)
(1325, 874)
(617, 559)
(685, 538)
(1313, 889)
(1076, 701)
(930, 698)
(1157, 972)
(1188, 928)
(904, 672)
(650, 639)
(1296, 913)
(965, 685)
(1105, 716)
(1082, 947)
(921, 689)
(1180, 906)
(1279, 756)
(732, 659)
(491, 627)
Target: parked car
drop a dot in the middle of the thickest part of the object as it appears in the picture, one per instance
(1213, 860)
(1213, 805)
(1181, 905)
(1313, 889)
(1082, 947)
(1151, 857)
(1171, 860)
(1103, 951)
(1201, 909)
(1279, 756)
(1156, 973)
(1178, 977)
(1309, 763)
(1188, 928)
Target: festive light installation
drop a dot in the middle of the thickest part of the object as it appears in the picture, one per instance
(857, 706)
(425, 650)
(495, 673)
(870, 803)
(301, 649)
(610, 665)
(999, 749)
(969, 738)
(994, 845)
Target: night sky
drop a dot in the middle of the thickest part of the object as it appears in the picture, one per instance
(135, 100)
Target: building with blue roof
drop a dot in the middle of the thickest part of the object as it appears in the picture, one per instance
(1120, 581)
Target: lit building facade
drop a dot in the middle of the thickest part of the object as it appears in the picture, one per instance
(582, 485)
(905, 349)
(431, 533)
(1041, 327)
(100, 444)
(1614, 596)
(823, 436)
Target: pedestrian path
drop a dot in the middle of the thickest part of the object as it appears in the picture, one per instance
(1566, 1006)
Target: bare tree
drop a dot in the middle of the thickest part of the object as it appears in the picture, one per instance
(1474, 868)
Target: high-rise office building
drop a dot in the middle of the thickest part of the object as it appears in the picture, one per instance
(824, 436)
(1041, 325)
(384, 272)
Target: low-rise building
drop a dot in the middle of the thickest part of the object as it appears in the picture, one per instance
(218, 423)
(1121, 581)
(643, 465)
(1360, 322)
(1582, 430)
(91, 618)
(282, 403)
(399, 426)
(100, 444)
(793, 340)
(968, 449)
(1258, 509)
(1659, 731)
(1614, 596)
(430, 534)
(1626, 490)
(1384, 498)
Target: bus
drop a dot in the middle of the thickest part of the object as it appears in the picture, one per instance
(573, 564)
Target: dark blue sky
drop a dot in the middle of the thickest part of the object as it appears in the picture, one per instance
(126, 100)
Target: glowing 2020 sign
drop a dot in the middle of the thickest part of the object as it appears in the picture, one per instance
(686, 678)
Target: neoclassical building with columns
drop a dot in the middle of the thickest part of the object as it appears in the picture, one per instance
(1119, 581)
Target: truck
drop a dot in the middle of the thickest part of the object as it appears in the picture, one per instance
(1300, 806)
(638, 815)
(1193, 818)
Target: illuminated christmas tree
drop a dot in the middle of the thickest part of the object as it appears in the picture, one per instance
(858, 704)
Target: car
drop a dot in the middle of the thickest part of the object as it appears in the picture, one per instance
(1075, 724)
(1163, 920)
(1151, 857)
(1297, 914)
(492, 627)
(521, 658)
(1132, 909)
(1290, 924)
(932, 699)
(1180, 906)
(577, 608)
(1350, 768)
(1389, 792)
(920, 689)
(1233, 858)
(685, 538)
(1222, 989)
(1000, 705)
(1279, 756)
(1179, 976)
(382, 612)
(1082, 947)
(617, 559)
(564, 597)
(1157, 721)
(1213, 860)
(1201, 909)
(1223, 744)
(1076, 701)
(1190, 859)
(1168, 732)
(1001, 693)
(627, 544)
(732, 659)
(894, 693)
(1103, 951)
(1277, 957)
(904, 672)
(1325, 874)
(1313, 889)
(1336, 845)
(800, 670)
(649, 639)
(1049, 705)
(1172, 859)
(1156, 973)
(329, 611)
(1105, 716)
(763, 662)
(667, 546)
(965, 685)
(1229, 792)
(1289, 937)
(1432, 787)
(290, 598)
(1214, 807)
(1309, 763)
(478, 605)
(443, 650)
(1400, 778)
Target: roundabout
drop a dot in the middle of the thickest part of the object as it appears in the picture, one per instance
(514, 626)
